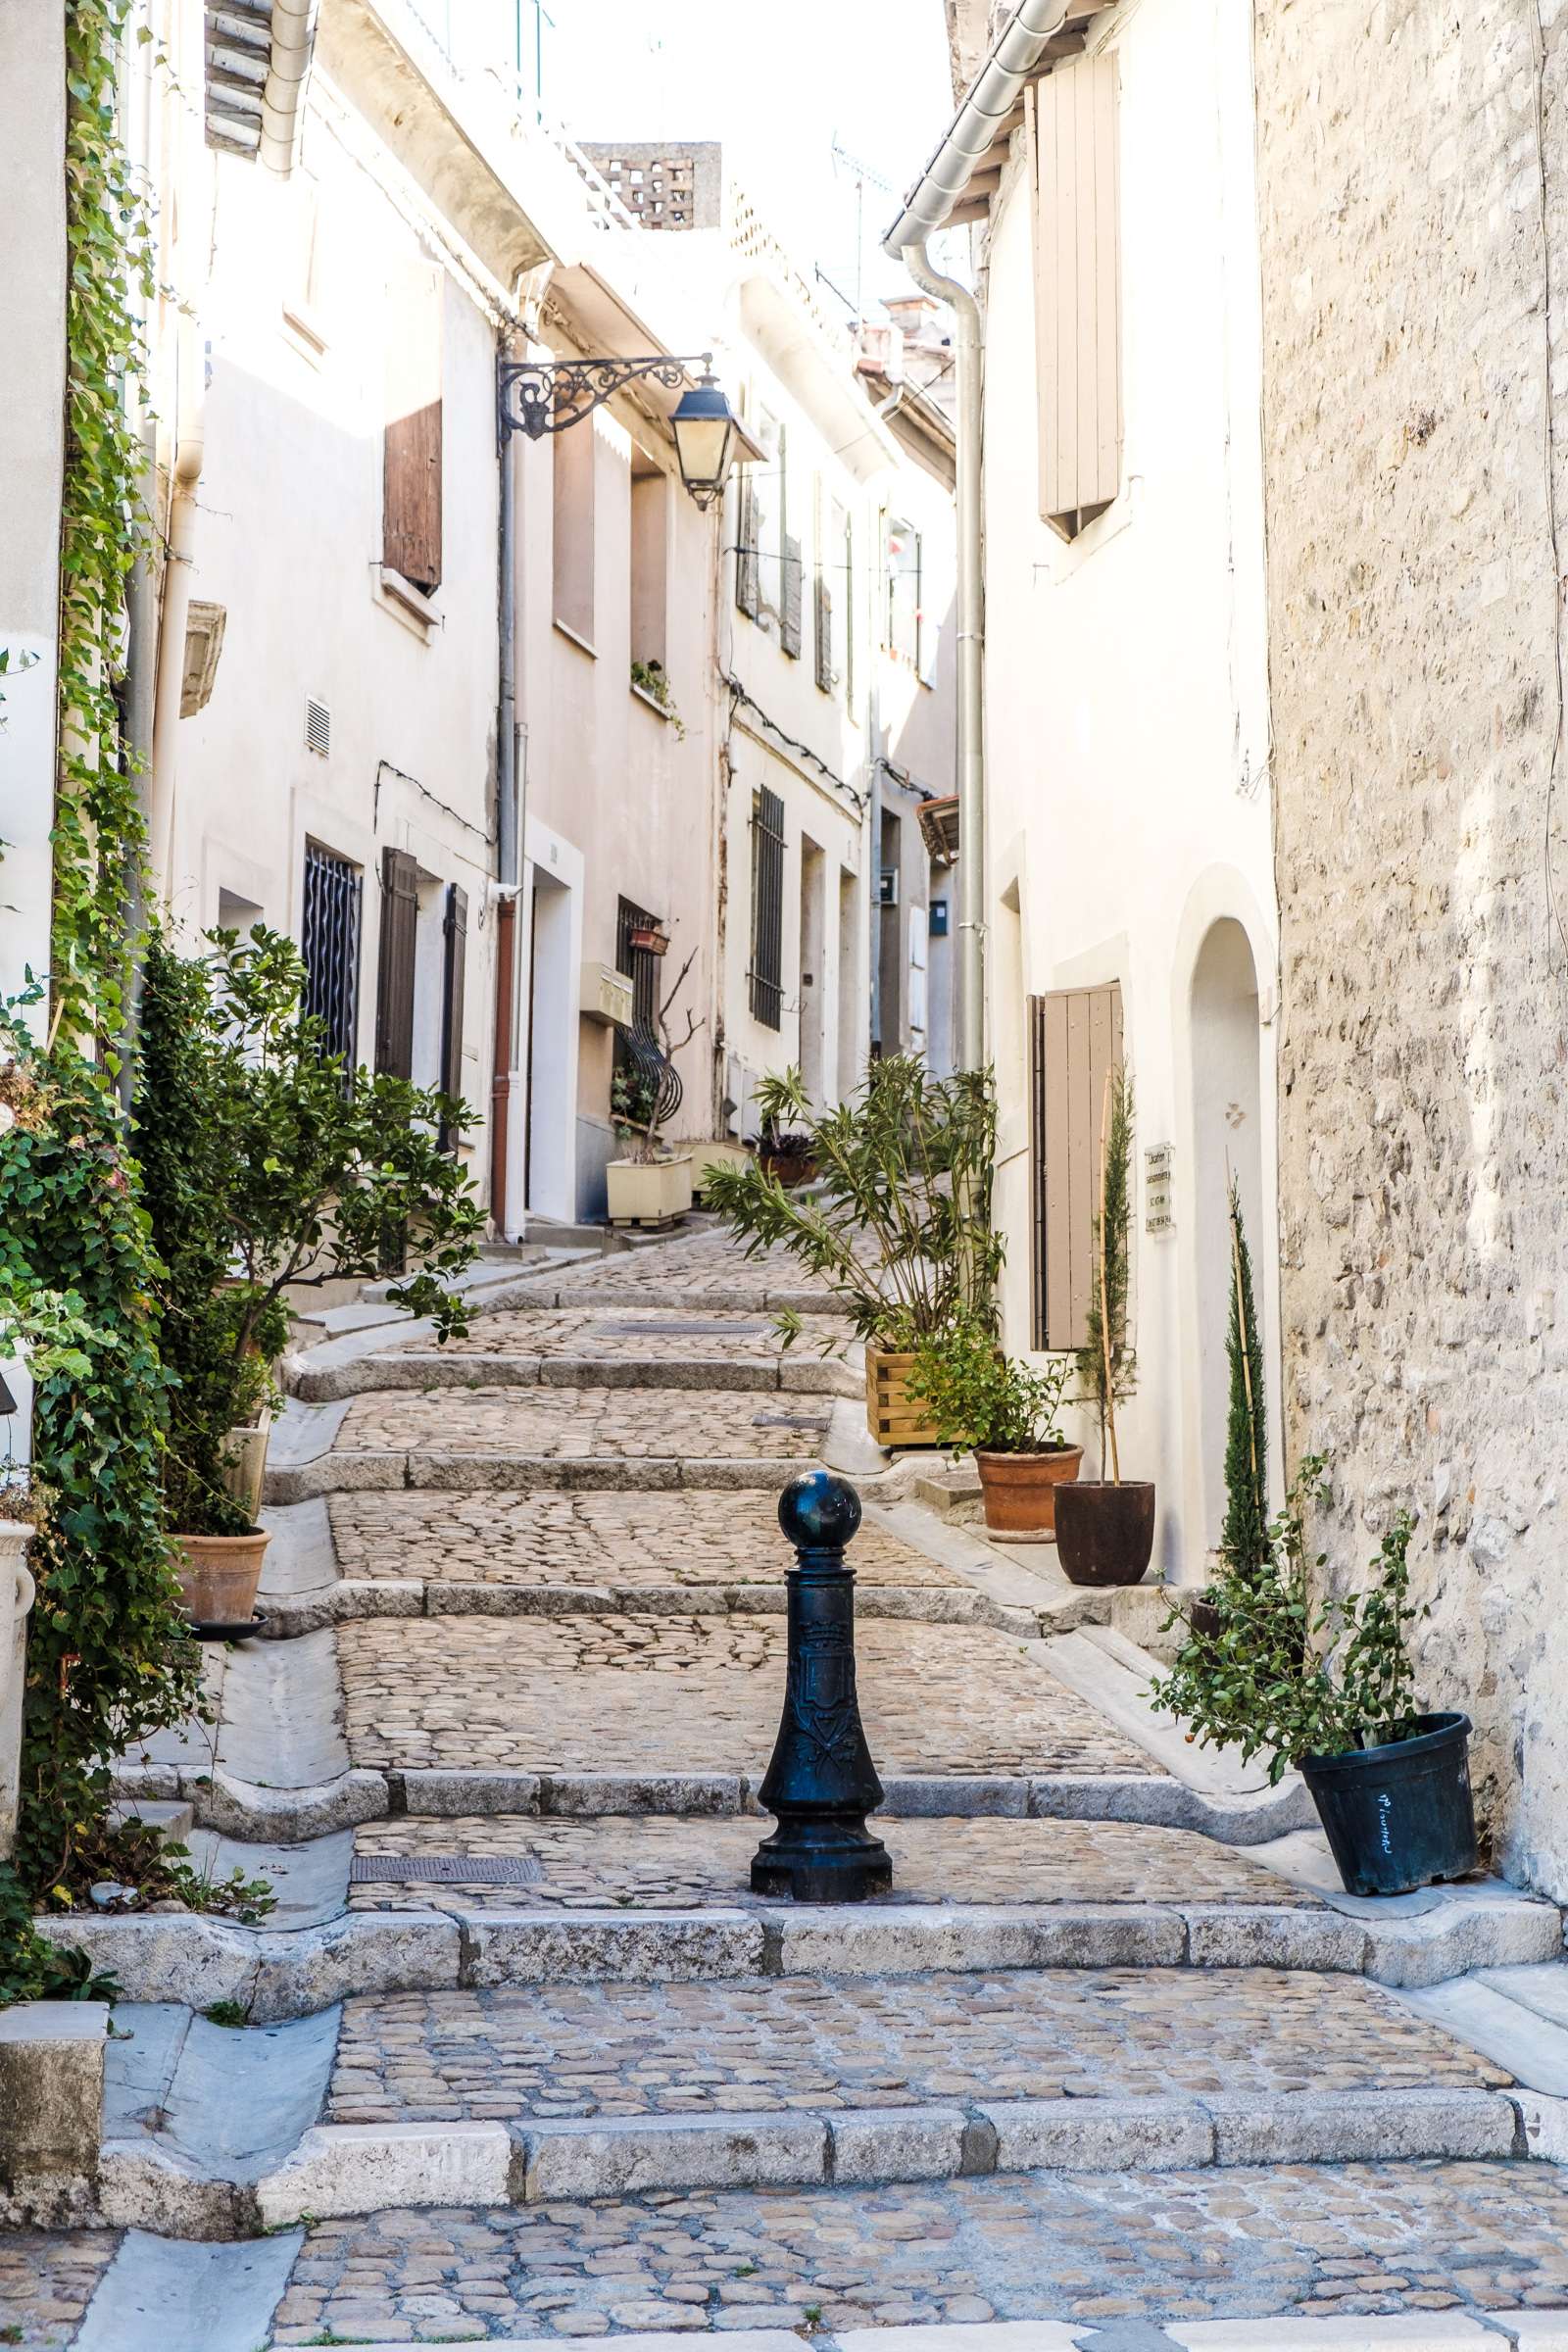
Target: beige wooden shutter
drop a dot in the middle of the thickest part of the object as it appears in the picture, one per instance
(1073, 140)
(1075, 1039)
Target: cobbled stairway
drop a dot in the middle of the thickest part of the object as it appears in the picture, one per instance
(523, 2058)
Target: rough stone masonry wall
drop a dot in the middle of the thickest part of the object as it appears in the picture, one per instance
(1406, 217)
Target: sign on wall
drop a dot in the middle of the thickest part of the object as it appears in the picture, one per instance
(1158, 1216)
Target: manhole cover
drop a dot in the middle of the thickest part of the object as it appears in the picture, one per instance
(445, 1869)
(679, 1327)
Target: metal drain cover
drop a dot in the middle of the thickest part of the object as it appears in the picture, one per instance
(445, 1869)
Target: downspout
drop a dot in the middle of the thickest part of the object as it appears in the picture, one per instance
(293, 37)
(991, 97)
(508, 827)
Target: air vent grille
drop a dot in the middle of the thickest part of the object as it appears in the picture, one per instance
(317, 728)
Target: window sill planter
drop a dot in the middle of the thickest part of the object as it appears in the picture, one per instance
(1399, 1816)
(218, 1576)
(16, 1600)
(648, 1191)
(649, 941)
(1020, 1489)
(1105, 1532)
(892, 1415)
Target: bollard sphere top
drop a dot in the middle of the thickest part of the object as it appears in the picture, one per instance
(818, 1508)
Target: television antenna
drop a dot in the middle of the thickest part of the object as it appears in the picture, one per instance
(863, 177)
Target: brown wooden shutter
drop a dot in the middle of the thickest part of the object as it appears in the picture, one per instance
(1071, 122)
(394, 989)
(1075, 1038)
(412, 496)
(456, 940)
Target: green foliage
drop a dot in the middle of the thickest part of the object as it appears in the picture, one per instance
(266, 1167)
(1245, 1537)
(984, 1400)
(108, 1664)
(1107, 1373)
(652, 679)
(99, 847)
(233, 2014)
(1283, 1679)
(32, 1969)
(899, 1222)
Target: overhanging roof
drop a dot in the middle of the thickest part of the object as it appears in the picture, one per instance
(938, 828)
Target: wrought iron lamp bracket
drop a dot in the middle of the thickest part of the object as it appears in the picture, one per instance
(548, 396)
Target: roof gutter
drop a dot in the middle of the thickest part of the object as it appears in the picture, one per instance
(991, 97)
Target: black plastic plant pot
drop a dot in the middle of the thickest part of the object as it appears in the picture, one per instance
(1400, 1816)
(1104, 1533)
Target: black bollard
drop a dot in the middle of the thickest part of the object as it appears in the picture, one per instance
(821, 1782)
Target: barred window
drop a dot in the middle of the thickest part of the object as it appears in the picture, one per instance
(329, 942)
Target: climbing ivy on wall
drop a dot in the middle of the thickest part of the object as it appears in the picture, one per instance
(106, 1661)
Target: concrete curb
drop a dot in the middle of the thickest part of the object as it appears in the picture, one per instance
(249, 1811)
(350, 1473)
(1407, 2332)
(420, 1369)
(276, 1975)
(354, 1598)
(340, 2170)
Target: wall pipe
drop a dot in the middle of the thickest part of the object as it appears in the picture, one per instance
(975, 130)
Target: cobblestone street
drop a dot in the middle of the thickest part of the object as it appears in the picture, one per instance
(1051, 2059)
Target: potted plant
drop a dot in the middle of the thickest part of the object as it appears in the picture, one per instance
(267, 1167)
(786, 1152)
(1105, 1531)
(1244, 1542)
(647, 1185)
(1004, 1412)
(1332, 1691)
(898, 1224)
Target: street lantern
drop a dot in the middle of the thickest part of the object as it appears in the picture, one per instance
(549, 396)
(704, 426)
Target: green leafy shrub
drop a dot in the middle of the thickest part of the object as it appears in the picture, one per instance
(266, 1167)
(898, 1225)
(1285, 1679)
(984, 1400)
(1107, 1368)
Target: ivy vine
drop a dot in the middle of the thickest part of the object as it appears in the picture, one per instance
(108, 1662)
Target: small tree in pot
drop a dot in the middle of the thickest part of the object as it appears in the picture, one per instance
(1332, 1690)
(898, 1224)
(1105, 1532)
(266, 1165)
(1004, 1412)
(1244, 1542)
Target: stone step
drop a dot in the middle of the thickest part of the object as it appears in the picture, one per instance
(406, 1370)
(1243, 2260)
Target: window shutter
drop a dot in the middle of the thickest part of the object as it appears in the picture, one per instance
(822, 614)
(394, 988)
(412, 496)
(1075, 1038)
(789, 612)
(848, 612)
(746, 563)
(456, 941)
(1077, 237)
(767, 909)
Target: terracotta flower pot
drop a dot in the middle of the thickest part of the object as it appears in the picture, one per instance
(1104, 1533)
(650, 941)
(790, 1167)
(1020, 1489)
(220, 1573)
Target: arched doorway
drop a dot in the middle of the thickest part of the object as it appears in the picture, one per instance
(1227, 1140)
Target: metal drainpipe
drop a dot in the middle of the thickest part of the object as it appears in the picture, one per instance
(967, 364)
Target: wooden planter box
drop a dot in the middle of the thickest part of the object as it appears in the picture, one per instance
(649, 1193)
(892, 1415)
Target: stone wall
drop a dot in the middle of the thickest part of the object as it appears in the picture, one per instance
(1413, 183)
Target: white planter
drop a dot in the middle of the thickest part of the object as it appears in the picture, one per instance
(724, 1155)
(651, 1194)
(16, 1600)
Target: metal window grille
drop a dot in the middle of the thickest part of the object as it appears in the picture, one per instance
(330, 946)
(655, 1079)
(767, 909)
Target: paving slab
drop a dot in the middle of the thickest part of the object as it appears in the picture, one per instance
(825, 2044)
(165, 2295)
(1297, 2244)
(606, 1693)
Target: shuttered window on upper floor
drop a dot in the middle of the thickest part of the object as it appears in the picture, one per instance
(1075, 1041)
(410, 443)
(1073, 146)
